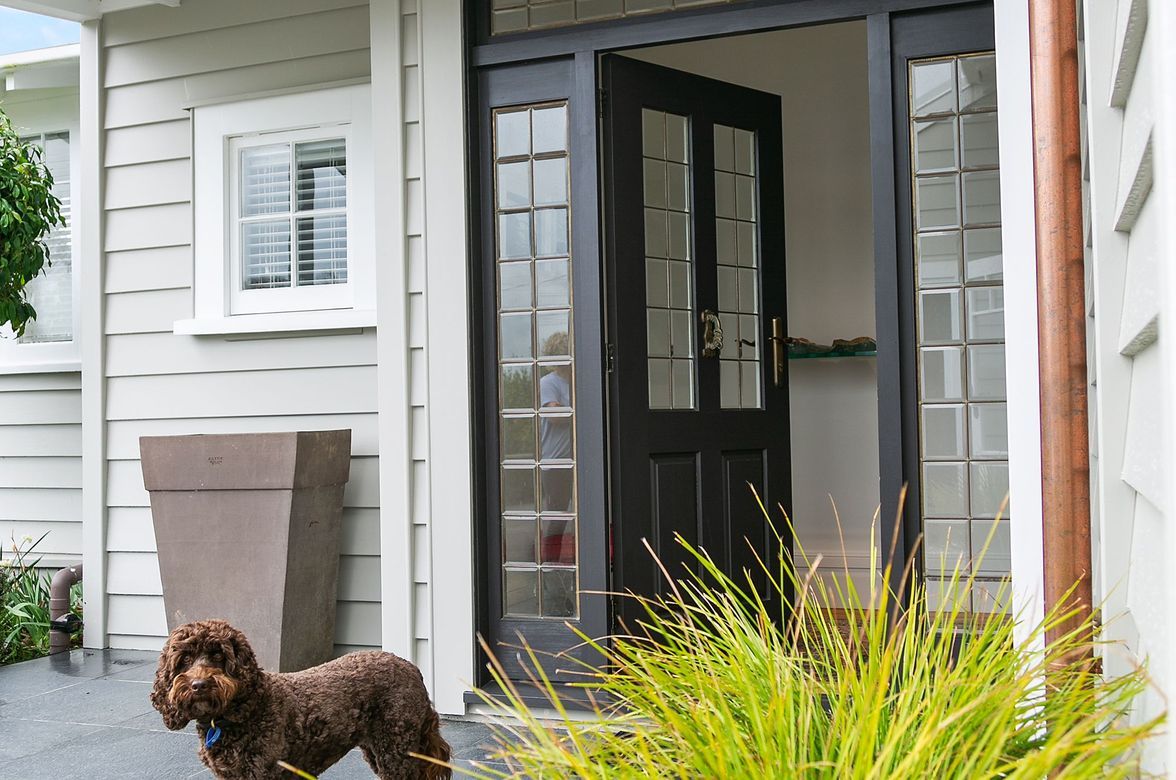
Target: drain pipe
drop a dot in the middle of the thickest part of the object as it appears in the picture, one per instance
(1061, 302)
(63, 623)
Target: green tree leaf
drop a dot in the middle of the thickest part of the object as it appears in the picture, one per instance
(28, 211)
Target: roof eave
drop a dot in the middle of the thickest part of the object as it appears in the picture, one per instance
(81, 10)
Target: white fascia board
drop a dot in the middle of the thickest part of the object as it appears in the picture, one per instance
(52, 76)
(49, 55)
(73, 10)
(80, 10)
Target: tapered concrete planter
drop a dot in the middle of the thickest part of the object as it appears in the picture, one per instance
(247, 528)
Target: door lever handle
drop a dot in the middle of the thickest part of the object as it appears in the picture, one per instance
(779, 351)
(712, 336)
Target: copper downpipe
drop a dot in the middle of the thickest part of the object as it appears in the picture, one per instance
(1061, 306)
(59, 609)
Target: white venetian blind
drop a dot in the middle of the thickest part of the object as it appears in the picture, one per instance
(51, 293)
(293, 202)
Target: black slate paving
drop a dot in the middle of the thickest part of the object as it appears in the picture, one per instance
(85, 716)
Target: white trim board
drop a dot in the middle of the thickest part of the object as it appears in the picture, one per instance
(1019, 237)
(450, 434)
(92, 302)
(396, 560)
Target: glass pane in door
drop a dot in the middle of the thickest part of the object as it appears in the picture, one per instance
(737, 258)
(669, 272)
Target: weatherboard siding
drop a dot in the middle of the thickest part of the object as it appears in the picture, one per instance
(158, 61)
(1124, 245)
(41, 464)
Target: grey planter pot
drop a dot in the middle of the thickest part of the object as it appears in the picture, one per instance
(247, 529)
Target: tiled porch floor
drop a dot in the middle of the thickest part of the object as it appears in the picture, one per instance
(85, 715)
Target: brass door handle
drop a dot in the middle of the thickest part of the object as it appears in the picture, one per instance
(779, 351)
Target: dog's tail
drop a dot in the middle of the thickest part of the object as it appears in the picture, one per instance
(434, 746)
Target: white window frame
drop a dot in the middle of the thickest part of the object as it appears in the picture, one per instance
(53, 115)
(220, 131)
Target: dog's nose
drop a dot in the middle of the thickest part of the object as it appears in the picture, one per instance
(200, 683)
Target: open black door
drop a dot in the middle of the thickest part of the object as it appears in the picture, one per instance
(696, 292)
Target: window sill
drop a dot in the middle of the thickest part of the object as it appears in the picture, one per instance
(42, 367)
(279, 322)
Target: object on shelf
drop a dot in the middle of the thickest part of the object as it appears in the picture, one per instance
(852, 346)
(801, 348)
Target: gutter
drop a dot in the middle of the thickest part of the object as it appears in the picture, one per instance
(1061, 305)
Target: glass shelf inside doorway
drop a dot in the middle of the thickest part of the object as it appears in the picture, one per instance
(827, 355)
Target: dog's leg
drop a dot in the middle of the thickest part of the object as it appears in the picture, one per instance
(387, 749)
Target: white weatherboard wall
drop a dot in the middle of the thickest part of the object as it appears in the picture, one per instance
(821, 75)
(40, 463)
(157, 61)
(1125, 240)
(40, 413)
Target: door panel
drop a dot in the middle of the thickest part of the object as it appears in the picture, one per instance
(742, 519)
(674, 509)
(695, 267)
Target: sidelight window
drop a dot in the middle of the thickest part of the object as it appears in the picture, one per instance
(536, 364)
(963, 419)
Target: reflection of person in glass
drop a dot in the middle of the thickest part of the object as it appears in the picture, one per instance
(555, 433)
(555, 443)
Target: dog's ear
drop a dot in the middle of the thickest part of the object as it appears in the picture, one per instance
(240, 662)
(165, 674)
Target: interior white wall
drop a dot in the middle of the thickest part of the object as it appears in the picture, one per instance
(821, 76)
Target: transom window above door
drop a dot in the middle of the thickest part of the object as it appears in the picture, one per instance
(511, 16)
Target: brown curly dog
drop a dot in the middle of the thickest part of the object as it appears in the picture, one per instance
(249, 719)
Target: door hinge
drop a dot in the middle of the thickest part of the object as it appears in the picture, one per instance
(601, 102)
(610, 358)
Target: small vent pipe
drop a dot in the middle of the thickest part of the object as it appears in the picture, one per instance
(63, 623)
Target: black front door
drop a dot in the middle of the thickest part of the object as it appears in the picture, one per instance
(696, 291)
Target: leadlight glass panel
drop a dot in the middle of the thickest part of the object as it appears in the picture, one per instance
(669, 272)
(536, 364)
(737, 259)
(963, 441)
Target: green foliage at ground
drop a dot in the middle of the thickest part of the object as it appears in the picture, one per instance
(28, 211)
(715, 685)
(24, 603)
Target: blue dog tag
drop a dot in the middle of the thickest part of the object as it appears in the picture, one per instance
(212, 736)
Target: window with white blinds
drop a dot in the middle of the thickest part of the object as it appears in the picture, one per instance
(51, 293)
(282, 207)
(291, 213)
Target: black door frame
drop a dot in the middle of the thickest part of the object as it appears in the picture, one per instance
(581, 47)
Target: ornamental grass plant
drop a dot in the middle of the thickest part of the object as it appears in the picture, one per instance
(713, 684)
(24, 602)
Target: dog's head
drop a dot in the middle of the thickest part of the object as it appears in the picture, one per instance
(203, 667)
